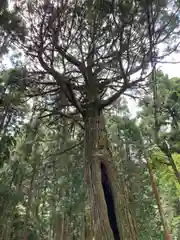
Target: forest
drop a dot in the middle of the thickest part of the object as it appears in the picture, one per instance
(75, 162)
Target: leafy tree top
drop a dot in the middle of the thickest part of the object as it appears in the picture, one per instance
(86, 50)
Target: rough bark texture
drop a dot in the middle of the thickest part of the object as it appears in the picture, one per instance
(109, 202)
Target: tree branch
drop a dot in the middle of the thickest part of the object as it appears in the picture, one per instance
(115, 96)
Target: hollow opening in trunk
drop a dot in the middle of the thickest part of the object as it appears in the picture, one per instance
(109, 202)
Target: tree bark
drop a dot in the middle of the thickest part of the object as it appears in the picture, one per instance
(167, 234)
(109, 202)
(59, 227)
(88, 227)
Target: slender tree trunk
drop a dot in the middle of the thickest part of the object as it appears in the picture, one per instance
(167, 152)
(59, 227)
(129, 170)
(31, 152)
(28, 207)
(174, 167)
(82, 232)
(177, 214)
(2, 120)
(167, 233)
(109, 202)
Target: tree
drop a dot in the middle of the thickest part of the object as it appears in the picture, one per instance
(86, 49)
(42, 190)
(11, 26)
(135, 168)
(167, 116)
(159, 120)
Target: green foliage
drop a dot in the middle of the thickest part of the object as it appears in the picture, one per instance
(40, 175)
(41, 158)
(6, 143)
(166, 149)
(11, 26)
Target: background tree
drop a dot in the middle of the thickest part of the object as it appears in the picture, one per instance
(11, 26)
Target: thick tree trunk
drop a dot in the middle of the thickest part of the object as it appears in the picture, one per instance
(109, 201)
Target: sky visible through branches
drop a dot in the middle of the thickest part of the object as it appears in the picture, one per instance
(170, 66)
